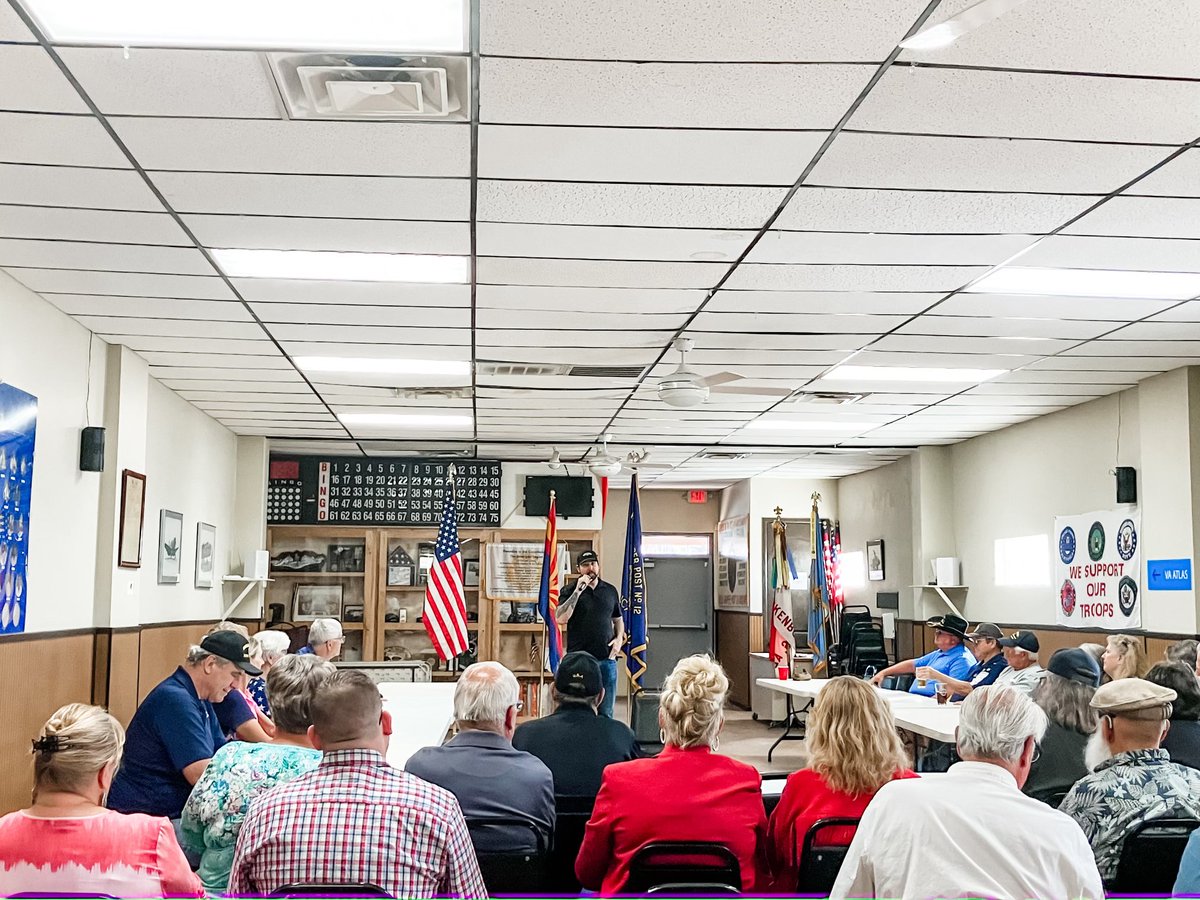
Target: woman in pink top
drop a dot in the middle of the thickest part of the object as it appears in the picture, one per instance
(67, 842)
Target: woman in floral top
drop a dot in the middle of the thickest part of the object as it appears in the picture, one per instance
(241, 771)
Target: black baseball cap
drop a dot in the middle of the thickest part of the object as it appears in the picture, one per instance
(231, 646)
(587, 556)
(578, 675)
(1075, 665)
(1026, 640)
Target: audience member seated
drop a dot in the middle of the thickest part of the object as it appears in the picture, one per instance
(1187, 882)
(240, 716)
(950, 658)
(354, 818)
(971, 832)
(1183, 739)
(853, 750)
(272, 646)
(1123, 658)
(482, 769)
(175, 732)
(241, 771)
(989, 662)
(1183, 651)
(67, 842)
(325, 639)
(575, 743)
(1133, 779)
(1065, 695)
(1096, 652)
(687, 793)
(1021, 651)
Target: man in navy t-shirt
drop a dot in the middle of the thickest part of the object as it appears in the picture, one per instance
(175, 732)
(989, 662)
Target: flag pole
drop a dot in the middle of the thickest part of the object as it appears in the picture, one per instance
(545, 648)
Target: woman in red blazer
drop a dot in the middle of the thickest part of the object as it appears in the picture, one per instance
(688, 793)
(853, 750)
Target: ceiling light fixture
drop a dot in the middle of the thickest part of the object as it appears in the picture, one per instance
(1120, 283)
(912, 375)
(431, 26)
(353, 365)
(943, 34)
(555, 461)
(320, 265)
(405, 420)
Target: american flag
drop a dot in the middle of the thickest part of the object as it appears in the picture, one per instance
(445, 607)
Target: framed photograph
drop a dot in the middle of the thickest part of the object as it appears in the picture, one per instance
(399, 576)
(471, 573)
(170, 546)
(353, 612)
(133, 513)
(316, 601)
(206, 554)
(346, 558)
(875, 560)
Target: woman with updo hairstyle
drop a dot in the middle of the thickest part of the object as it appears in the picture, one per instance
(853, 751)
(1123, 658)
(687, 793)
(67, 842)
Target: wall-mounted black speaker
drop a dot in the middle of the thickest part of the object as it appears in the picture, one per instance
(91, 450)
(1126, 484)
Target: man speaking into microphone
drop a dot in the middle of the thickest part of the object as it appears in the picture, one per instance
(592, 614)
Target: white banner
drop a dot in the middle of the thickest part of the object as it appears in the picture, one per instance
(733, 555)
(514, 571)
(1097, 570)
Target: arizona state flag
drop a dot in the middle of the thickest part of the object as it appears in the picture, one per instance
(548, 592)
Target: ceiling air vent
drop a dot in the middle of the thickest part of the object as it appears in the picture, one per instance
(719, 454)
(519, 370)
(356, 86)
(827, 398)
(606, 371)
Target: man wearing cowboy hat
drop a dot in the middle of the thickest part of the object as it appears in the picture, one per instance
(1133, 779)
(951, 657)
(989, 662)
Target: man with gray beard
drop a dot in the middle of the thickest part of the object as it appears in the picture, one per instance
(1133, 779)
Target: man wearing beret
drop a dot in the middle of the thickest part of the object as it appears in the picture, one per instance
(591, 610)
(950, 658)
(1134, 779)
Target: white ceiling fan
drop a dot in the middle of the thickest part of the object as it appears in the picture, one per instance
(603, 464)
(686, 387)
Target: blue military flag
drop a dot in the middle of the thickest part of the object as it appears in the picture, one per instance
(633, 592)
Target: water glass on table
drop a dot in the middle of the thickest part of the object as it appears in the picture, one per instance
(942, 693)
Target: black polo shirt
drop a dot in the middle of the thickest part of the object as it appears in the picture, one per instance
(576, 745)
(590, 627)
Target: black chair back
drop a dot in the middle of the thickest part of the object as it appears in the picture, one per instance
(772, 789)
(570, 822)
(643, 719)
(1150, 856)
(510, 871)
(329, 889)
(684, 867)
(819, 863)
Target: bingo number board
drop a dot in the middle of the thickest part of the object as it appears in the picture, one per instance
(380, 491)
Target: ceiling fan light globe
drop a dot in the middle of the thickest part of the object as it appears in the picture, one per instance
(682, 393)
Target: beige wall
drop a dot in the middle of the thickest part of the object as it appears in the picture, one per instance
(878, 505)
(663, 511)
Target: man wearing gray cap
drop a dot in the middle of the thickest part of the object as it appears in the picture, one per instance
(989, 662)
(1134, 779)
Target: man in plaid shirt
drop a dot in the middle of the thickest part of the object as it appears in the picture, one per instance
(355, 819)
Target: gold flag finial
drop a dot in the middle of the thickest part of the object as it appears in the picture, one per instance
(779, 512)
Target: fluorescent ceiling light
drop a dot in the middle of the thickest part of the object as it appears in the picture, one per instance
(946, 33)
(1088, 283)
(806, 425)
(318, 265)
(354, 365)
(395, 26)
(406, 420)
(911, 375)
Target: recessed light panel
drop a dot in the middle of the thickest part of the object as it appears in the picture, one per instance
(406, 420)
(1088, 283)
(331, 266)
(353, 365)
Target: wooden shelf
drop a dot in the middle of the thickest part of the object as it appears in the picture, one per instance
(520, 626)
(529, 673)
(420, 587)
(419, 626)
(317, 574)
(352, 626)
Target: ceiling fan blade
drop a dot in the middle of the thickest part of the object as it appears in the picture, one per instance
(754, 391)
(720, 378)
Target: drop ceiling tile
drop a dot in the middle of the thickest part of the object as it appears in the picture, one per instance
(984, 164)
(73, 187)
(119, 328)
(613, 300)
(580, 320)
(922, 343)
(593, 242)
(1178, 178)
(764, 363)
(299, 417)
(1115, 346)
(1142, 217)
(11, 26)
(58, 223)
(366, 334)
(792, 323)
(217, 399)
(30, 81)
(196, 348)
(411, 350)
(1141, 254)
(650, 155)
(125, 284)
(1009, 327)
(175, 82)
(101, 257)
(361, 235)
(299, 147)
(595, 337)
(887, 249)
(1109, 370)
(762, 276)
(1042, 306)
(623, 204)
(334, 314)
(1072, 378)
(956, 360)
(762, 344)
(347, 196)
(841, 302)
(672, 95)
(577, 355)
(1032, 105)
(150, 307)
(283, 290)
(55, 140)
(1049, 388)
(1175, 332)
(606, 273)
(181, 361)
(1188, 311)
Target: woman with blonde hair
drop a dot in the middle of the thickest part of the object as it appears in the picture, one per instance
(853, 751)
(687, 793)
(1123, 658)
(67, 842)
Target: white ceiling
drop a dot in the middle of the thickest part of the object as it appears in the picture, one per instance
(776, 181)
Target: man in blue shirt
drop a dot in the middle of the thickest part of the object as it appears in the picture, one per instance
(989, 662)
(951, 657)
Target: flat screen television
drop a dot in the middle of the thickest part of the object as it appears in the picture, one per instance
(572, 495)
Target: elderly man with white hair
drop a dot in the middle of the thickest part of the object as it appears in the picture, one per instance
(325, 639)
(267, 647)
(482, 769)
(971, 832)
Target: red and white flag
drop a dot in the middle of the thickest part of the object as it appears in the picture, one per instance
(445, 612)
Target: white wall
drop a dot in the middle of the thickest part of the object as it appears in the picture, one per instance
(45, 353)
(878, 505)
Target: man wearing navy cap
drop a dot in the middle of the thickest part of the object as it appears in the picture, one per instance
(1021, 649)
(950, 658)
(591, 611)
(989, 662)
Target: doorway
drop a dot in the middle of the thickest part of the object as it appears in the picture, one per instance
(679, 591)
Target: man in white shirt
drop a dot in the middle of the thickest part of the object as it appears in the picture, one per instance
(1020, 650)
(971, 832)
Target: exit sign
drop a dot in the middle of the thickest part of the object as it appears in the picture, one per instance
(697, 496)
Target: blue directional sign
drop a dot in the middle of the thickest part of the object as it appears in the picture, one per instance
(1169, 574)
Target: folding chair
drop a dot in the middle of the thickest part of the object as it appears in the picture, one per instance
(684, 867)
(522, 871)
(1150, 856)
(820, 863)
(571, 816)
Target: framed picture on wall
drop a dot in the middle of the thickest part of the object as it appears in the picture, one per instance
(875, 560)
(170, 546)
(316, 601)
(206, 553)
(133, 512)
